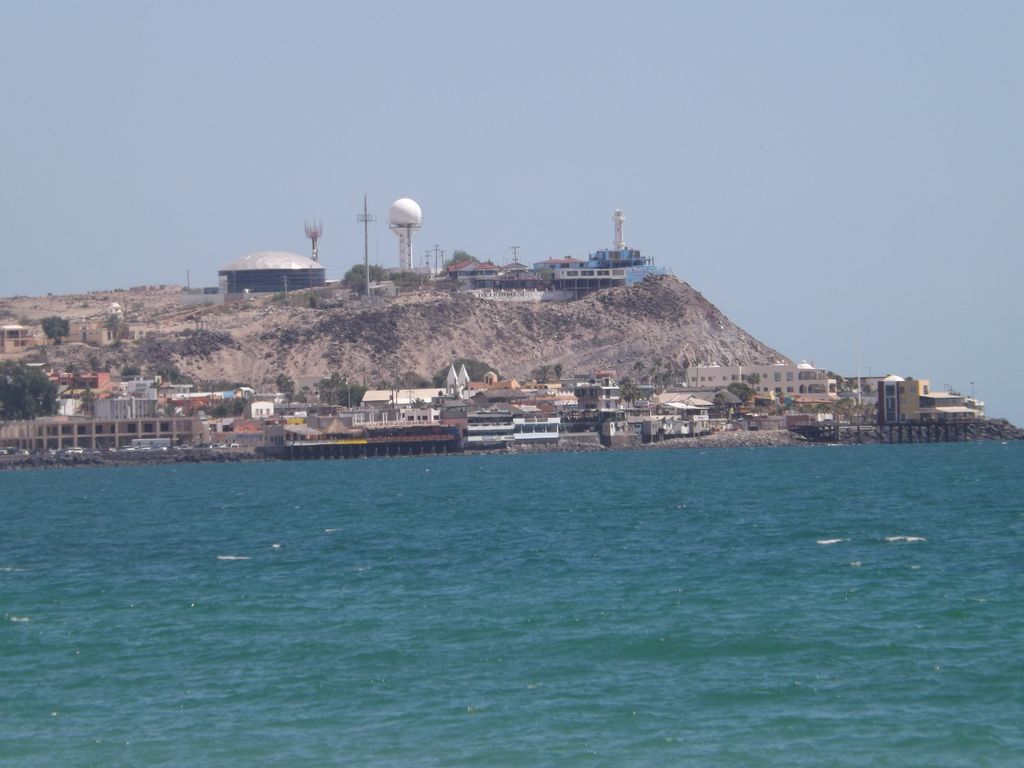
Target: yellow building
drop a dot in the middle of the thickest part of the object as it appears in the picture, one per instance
(911, 400)
(15, 338)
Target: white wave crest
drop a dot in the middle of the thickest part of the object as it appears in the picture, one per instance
(826, 542)
(20, 619)
(331, 530)
(909, 539)
(233, 557)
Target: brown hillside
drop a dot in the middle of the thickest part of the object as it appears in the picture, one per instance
(661, 319)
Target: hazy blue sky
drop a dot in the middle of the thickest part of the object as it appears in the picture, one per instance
(834, 176)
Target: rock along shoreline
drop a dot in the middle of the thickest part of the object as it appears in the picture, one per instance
(993, 430)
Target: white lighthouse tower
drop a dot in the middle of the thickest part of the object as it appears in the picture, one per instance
(403, 217)
(618, 217)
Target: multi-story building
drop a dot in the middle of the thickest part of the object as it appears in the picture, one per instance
(115, 408)
(600, 394)
(781, 378)
(62, 432)
(14, 338)
(911, 400)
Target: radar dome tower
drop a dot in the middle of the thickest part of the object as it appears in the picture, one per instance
(403, 217)
(618, 218)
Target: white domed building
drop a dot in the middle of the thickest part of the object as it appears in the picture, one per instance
(270, 272)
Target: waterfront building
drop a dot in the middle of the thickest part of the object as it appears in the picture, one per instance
(62, 432)
(489, 428)
(600, 394)
(912, 401)
(503, 426)
(783, 379)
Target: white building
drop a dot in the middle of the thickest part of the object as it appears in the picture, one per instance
(399, 397)
(125, 408)
(260, 409)
(781, 378)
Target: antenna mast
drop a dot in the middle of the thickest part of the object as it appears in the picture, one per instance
(365, 218)
(314, 229)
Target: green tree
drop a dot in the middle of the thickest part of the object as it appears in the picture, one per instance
(407, 279)
(285, 384)
(338, 390)
(458, 256)
(547, 372)
(169, 374)
(88, 401)
(25, 392)
(232, 406)
(355, 278)
(55, 328)
(130, 371)
(743, 391)
(640, 369)
(629, 390)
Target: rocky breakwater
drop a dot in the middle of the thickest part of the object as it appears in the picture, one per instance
(129, 458)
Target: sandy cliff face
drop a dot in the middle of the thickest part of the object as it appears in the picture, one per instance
(661, 320)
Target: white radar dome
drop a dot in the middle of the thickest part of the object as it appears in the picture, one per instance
(405, 212)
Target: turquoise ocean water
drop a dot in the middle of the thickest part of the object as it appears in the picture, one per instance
(847, 606)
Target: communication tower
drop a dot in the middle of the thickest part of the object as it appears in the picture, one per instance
(314, 229)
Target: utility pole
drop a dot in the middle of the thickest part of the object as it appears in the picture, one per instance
(365, 218)
(515, 253)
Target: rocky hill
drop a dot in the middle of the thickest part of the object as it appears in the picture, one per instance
(658, 322)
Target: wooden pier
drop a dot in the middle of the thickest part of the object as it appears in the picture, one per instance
(907, 432)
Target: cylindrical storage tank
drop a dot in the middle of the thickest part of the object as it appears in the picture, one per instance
(271, 272)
